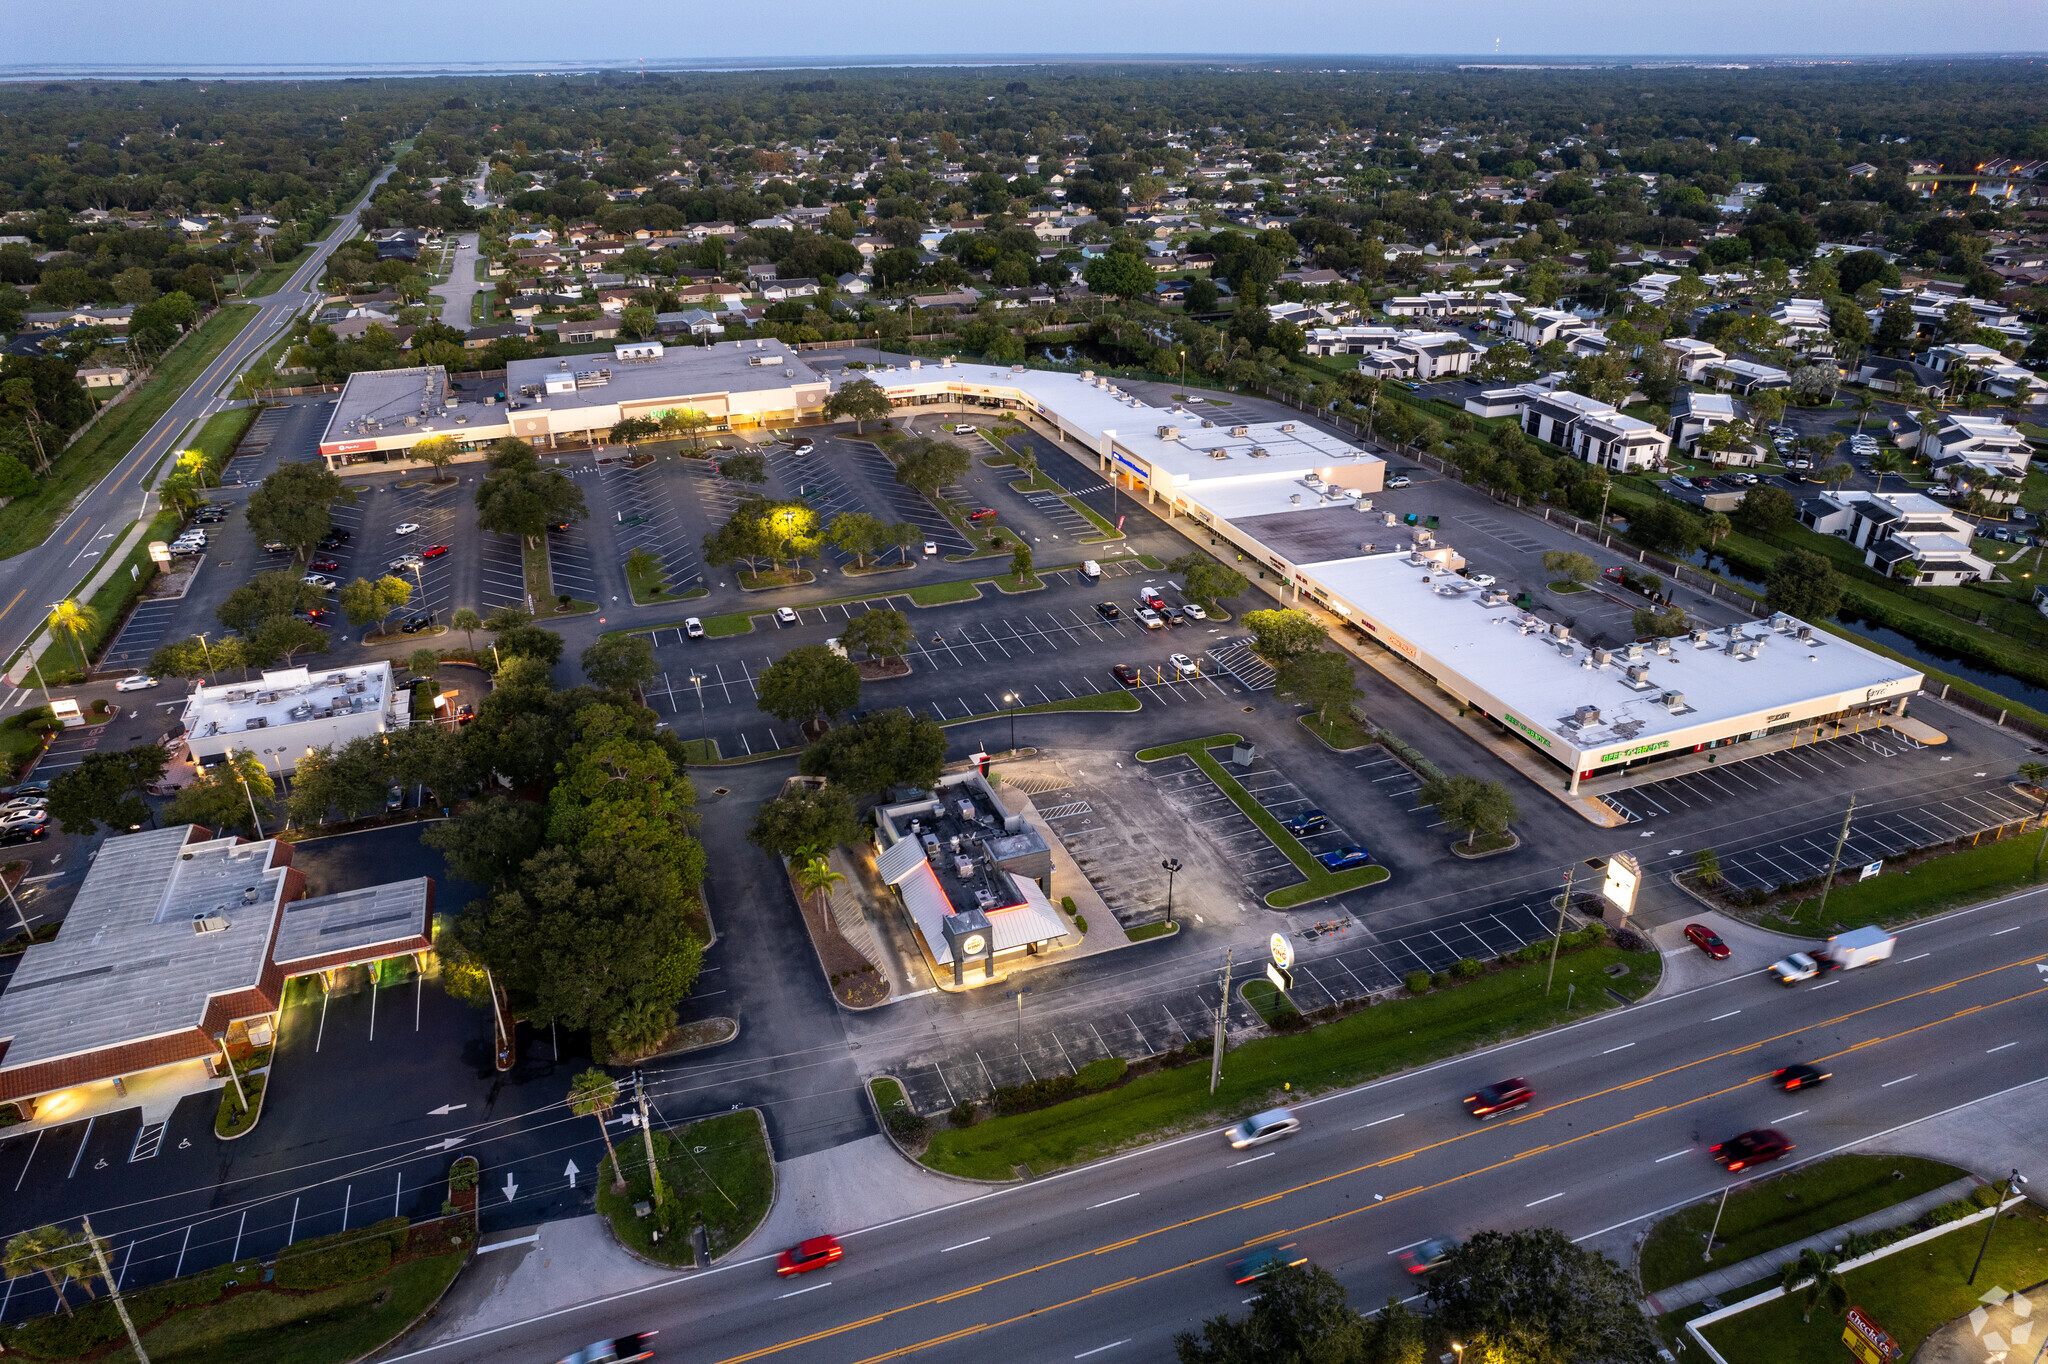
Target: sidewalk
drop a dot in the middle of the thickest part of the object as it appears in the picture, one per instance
(1766, 1266)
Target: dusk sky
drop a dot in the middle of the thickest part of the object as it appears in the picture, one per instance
(233, 32)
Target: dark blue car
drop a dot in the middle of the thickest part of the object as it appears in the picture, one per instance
(1345, 858)
(1306, 823)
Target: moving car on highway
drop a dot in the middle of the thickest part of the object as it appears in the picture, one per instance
(805, 1256)
(1503, 1096)
(1261, 1128)
(1750, 1148)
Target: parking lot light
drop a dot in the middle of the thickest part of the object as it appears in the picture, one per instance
(1170, 866)
(1010, 700)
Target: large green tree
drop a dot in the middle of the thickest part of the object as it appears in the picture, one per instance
(1281, 634)
(1534, 1296)
(882, 750)
(1301, 1316)
(805, 821)
(620, 662)
(883, 633)
(1321, 678)
(219, 796)
(861, 399)
(265, 597)
(108, 789)
(1207, 581)
(1806, 585)
(293, 506)
(807, 682)
(520, 497)
(1480, 806)
(353, 779)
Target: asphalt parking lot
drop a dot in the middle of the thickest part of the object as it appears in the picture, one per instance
(1774, 818)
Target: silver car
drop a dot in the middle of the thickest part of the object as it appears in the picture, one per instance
(1261, 1128)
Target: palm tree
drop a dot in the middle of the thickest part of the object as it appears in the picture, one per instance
(54, 1252)
(1718, 525)
(1886, 462)
(469, 623)
(74, 618)
(595, 1094)
(1866, 403)
(1813, 1276)
(814, 876)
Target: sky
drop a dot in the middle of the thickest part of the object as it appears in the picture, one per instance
(106, 34)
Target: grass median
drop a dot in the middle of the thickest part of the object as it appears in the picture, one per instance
(25, 522)
(1380, 1040)
(1948, 881)
(1319, 884)
(1771, 1213)
(719, 1172)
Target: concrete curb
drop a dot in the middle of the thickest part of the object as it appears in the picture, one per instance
(468, 1257)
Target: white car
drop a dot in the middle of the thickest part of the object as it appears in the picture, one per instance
(405, 563)
(406, 528)
(1194, 612)
(1795, 968)
(135, 682)
(694, 628)
(931, 547)
(1398, 481)
(1152, 619)
(20, 804)
(319, 580)
(1480, 579)
(804, 447)
(1261, 1128)
(1184, 665)
(964, 429)
(784, 616)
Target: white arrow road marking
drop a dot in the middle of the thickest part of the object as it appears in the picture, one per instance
(572, 1172)
(445, 1143)
(511, 1189)
(444, 1110)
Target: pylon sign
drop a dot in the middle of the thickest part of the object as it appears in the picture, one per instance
(1624, 877)
(1283, 951)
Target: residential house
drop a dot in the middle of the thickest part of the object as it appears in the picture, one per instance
(601, 329)
(852, 283)
(1422, 356)
(1693, 358)
(690, 321)
(1968, 450)
(1903, 535)
(476, 338)
(1583, 427)
(1747, 376)
(1888, 375)
(1694, 413)
(779, 289)
(1535, 327)
(104, 376)
(1989, 370)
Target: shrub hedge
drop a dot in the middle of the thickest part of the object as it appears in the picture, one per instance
(343, 1257)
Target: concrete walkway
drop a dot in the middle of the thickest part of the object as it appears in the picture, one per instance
(1687, 968)
(462, 287)
(1766, 1266)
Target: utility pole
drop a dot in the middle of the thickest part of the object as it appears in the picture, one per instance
(647, 1135)
(2014, 1178)
(1820, 915)
(114, 1291)
(1222, 1009)
(1558, 937)
(1708, 1253)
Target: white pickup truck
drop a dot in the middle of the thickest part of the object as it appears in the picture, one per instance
(1843, 952)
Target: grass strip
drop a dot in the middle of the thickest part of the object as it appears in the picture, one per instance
(1776, 1212)
(1910, 1295)
(1372, 1042)
(943, 594)
(1320, 884)
(1340, 732)
(1966, 877)
(1158, 930)
(26, 522)
(718, 1171)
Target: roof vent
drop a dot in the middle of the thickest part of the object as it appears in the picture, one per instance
(1294, 498)
(1240, 430)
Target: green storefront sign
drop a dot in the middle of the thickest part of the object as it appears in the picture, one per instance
(1529, 730)
(1640, 750)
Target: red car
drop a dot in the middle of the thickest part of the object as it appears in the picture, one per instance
(1751, 1148)
(1502, 1097)
(1128, 675)
(433, 551)
(982, 514)
(805, 1256)
(1707, 941)
(327, 565)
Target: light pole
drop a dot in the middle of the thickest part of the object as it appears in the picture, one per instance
(1170, 866)
(207, 654)
(2014, 1178)
(1010, 700)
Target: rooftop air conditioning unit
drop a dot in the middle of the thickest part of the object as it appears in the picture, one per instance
(1806, 634)
(210, 922)
(1700, 640)
(1635, 652)
(1674, 701)
(1561, 630)
(1639, 673)
(1240, 430)
(1601, 658)
(1258, 452)
(1755, 649)
(1206, 423)
(1585, 717)
(1169, 433)
(1564, 648)
(1294, 498)
(1287, 426)
(1664, 648)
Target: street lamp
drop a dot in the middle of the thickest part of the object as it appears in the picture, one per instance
(2014, 1178)
(1010, 700)
(1170, 866)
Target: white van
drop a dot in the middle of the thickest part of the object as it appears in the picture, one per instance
(1091, 570)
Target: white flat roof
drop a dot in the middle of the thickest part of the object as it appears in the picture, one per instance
(287, 696)
(1529, 673)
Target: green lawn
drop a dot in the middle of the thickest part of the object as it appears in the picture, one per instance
(942, 594)
(26, 521)
(1984, 872)
(1909, 1295)
(1319, 884)
(718, 1171)
(1372, 1042)
(1776, 1212)
(272, 277)
(1339, 731)
(1266, 1001)
(1146, 931)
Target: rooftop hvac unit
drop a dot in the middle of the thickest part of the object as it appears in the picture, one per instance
(1294, 498)
(1601, 658)
(1206, 423)
(1635, 652)
(1219, 453)
(1664, 648)
(1287, 426)
(1639, 673)
(1169, 433)
(210, 922)
(1087, 375)
(963, 867)
(1780, 621)
(1258, 452)
(1561, 630)
(1674, 701)
(1240, 430)
(1806, 634)
(1564, 648)
(1733, 648)
(1700, 640)
(1585, 717)
(1755, 649)
(1312, 479)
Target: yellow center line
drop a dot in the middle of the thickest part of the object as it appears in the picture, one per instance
(1199, 1218)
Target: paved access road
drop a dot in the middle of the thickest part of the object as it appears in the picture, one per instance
(1109, 1261)
(29, 582)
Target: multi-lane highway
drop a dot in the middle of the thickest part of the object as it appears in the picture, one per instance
(1108, 1261)
(31, 581)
